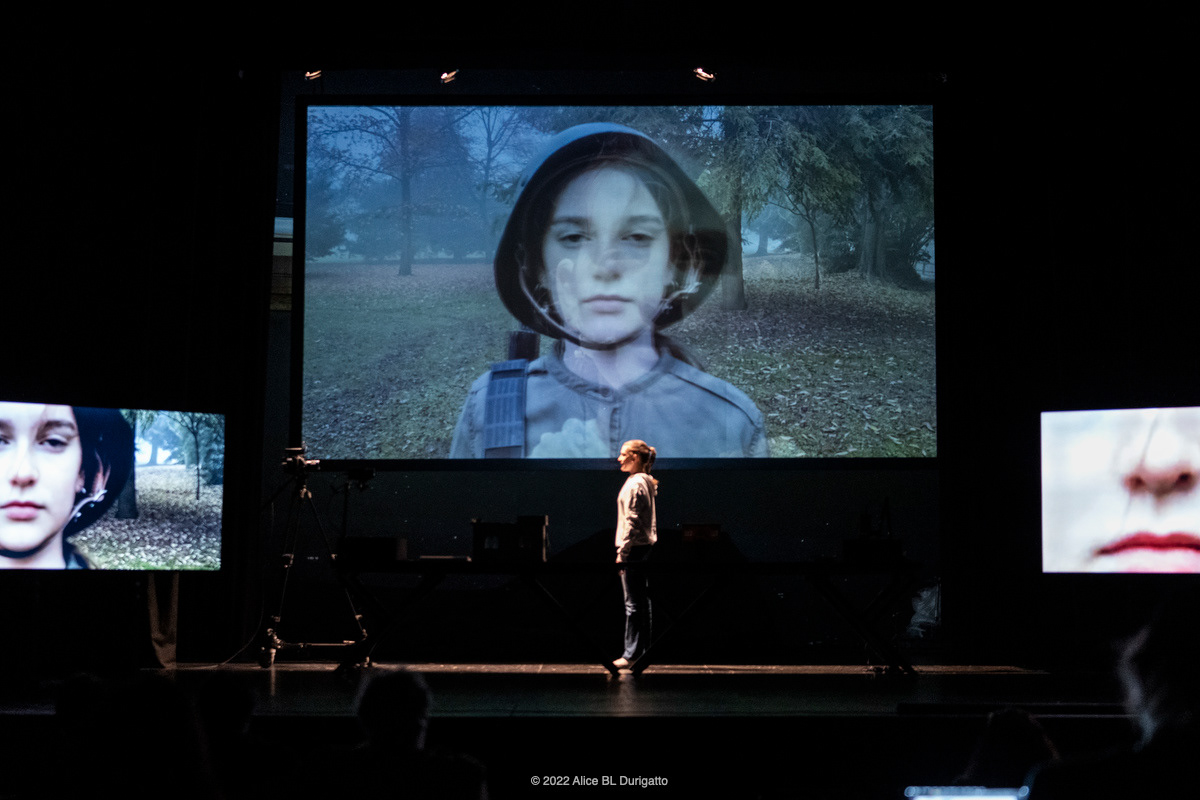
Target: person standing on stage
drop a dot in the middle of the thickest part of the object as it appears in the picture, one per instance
(636, 533)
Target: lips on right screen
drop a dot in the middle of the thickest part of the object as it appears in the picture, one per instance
(1150, 541)
(1147, 552)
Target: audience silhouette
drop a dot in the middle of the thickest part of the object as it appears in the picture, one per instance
(1012, 743)
(136, 737)
(1157, 669)
(144, 736)
(393, 710)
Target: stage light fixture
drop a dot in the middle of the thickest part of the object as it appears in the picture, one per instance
(447, 77)
(704, 75)
(312, 74)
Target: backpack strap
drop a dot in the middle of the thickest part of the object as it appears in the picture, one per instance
(504, 410)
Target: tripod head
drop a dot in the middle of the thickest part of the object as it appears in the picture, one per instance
(294, 462)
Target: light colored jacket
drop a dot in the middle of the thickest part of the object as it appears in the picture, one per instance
(636, 522)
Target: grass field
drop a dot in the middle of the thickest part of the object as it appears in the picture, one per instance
(172, 531)
(844, 371)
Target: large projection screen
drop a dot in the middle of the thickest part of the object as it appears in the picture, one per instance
(815, 340)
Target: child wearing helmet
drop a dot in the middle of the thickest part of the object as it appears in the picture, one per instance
(609, 242)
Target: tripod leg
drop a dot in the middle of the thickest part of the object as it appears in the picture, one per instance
(347, 588)
(271, 641)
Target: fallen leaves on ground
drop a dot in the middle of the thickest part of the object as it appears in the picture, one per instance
(173, 529)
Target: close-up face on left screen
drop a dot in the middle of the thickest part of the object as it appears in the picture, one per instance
(110, 489)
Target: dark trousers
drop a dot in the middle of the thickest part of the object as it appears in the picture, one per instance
(637, 606)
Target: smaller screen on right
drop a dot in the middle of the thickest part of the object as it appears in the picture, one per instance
(1119, 490)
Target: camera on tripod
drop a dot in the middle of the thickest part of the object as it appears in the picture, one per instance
(294, 462)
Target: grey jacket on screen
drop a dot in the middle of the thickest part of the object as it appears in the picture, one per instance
(682, 410)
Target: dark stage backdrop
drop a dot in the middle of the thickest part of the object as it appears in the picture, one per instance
(1074, 298)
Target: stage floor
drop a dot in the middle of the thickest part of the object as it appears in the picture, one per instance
(684, 690)
(489, 690)
(815, 731)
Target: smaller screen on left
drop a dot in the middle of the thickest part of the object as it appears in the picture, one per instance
(110, 489)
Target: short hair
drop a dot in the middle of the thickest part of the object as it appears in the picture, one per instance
(106, 440)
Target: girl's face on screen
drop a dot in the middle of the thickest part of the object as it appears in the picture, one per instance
(40, 475)
(607, 256)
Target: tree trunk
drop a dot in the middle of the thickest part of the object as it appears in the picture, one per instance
(733, 285)
(871, 253)
(812, 232)
(762, 244)
(127, 499)
(199, 460)
(406, 209)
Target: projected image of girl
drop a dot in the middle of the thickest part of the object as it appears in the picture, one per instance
(61, 467)
(1119, 490)
(608, 244)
